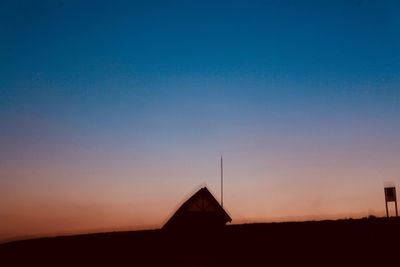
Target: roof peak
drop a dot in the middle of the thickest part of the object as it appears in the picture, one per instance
(201, 208)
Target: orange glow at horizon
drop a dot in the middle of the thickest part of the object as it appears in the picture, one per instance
(43, 201)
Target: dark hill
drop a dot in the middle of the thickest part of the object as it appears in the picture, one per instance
(358, 242)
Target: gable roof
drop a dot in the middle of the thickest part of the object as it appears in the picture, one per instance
(200, 208)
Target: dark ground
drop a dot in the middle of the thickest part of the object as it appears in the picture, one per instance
(361, 242)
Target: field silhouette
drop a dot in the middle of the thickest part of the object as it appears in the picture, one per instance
(350, 242)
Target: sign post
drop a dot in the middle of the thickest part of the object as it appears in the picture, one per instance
(390, 196)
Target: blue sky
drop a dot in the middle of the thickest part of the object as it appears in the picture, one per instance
(149, 94)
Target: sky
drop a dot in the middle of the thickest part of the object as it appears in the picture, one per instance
(114, 112)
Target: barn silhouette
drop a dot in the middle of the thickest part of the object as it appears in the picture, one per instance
(201, 210)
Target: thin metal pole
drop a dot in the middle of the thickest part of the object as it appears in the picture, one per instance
(395, 202)
(222, 184)
(387, 211)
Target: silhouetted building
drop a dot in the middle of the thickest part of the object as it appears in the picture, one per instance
(201, 210)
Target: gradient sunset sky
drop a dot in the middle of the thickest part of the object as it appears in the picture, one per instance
(113, 112)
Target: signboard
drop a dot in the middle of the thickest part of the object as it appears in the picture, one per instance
(390, 194)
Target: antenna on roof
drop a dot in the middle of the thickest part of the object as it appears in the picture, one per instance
(222, 186)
